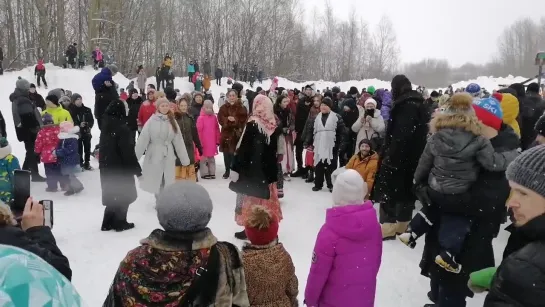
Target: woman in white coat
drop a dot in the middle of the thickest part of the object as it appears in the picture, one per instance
(162, 141)
(370, 124)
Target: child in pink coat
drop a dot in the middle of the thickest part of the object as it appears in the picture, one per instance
(209, 134)
(348, 249)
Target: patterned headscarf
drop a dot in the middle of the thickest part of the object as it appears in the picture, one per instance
(263, 114)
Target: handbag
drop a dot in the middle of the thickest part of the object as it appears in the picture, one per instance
(309, 158)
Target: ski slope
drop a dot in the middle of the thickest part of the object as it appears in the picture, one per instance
(95, 255)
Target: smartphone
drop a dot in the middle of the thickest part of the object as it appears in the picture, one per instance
(48, 212)
(21, 191)
(370, 112)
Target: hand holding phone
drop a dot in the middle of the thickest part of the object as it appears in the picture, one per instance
(33, 215)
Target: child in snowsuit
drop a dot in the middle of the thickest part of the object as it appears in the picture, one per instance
(450, 163)
(209, 135)
(46, 143)
(39, 72)
(68, 157)
(8, 164)
(266, 257)
(348, 249)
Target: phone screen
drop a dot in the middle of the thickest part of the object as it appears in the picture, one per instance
(21, 190)
(48, 212)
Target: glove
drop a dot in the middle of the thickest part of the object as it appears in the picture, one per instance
(233, 176)
(474, 288)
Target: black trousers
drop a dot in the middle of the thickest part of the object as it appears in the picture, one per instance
(41, 77)
(84, 148)
(227, 160)
(31, 160)
(324, 170)
(444, 296)
(299, 151)
(218, 81)
(116, 214)
(393, 211)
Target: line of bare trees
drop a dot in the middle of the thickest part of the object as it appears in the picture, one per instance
(270, 33)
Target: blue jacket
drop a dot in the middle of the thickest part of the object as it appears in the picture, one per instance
(67, 152)
(98, 80)
(8, 164)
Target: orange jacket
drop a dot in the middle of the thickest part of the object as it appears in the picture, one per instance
(207, 83)
(366, 167)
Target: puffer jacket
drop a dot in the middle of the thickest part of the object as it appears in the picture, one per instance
(270, 276)
(368, 130)
(366, 167)
(386, 98)
(450, 161)
(46, 142)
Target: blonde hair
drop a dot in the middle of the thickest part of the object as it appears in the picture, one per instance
(159, 94)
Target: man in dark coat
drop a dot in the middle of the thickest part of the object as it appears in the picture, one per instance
(105, 91)
(27, 121)
(432, 102)
(34, 237)
(488, 196)
(36, 97)
(83, 118)
(301, 116)
(218, 74)
(532, 107)
(235, 71)
(520, 278)
(405, 139)
(118, 166)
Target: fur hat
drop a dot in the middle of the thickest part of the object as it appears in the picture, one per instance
(184, 206)
(488, 111)
(47, 119)
(528, 170)
(460, 103)
(349, 189)
(53, 99)
(261, 227)
(22, 84)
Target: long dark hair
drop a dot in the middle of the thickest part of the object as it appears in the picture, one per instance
(278, 102)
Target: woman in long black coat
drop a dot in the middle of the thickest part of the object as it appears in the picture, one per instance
(405, 139)
(118, 166)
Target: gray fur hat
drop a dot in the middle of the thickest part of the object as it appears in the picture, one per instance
(57, 92)
(528, 170)
(184, 206)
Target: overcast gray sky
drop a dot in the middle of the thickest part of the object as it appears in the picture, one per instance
(461, 31)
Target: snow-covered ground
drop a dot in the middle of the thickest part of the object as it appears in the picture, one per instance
(94, 255)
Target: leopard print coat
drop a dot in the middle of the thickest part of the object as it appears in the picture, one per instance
(270, 276)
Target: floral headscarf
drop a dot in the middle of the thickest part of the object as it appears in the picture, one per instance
(263, 114)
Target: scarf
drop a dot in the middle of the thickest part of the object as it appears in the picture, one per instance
(263, 115)
(324, 138)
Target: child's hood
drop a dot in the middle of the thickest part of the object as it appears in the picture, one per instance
(354, 222)
(71, 134)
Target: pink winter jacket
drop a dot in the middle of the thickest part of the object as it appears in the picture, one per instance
(209, 133)
(346, 258)
(47, 141)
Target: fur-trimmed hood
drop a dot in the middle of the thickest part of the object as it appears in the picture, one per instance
(466, 122)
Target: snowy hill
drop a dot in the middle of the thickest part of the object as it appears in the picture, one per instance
(94, 255)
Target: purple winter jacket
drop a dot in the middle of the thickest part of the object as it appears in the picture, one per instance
(346, 258)
(386, 98)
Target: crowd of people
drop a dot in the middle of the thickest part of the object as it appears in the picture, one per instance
(458, 153)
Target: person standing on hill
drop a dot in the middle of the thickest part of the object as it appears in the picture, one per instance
(141, 79)
(218, 75)
(39, 72)
(27, 121)
(105, 91)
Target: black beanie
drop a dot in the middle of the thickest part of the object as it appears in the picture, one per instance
(238, 87)
(170, 94)
(53, 98)
(353, 91)
(133, 91)
(32, 85)
(434, 94)
(328, 102)
(532, 88)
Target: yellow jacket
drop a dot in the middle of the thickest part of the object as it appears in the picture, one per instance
(59, 114)
(168, 62)
(510, 108)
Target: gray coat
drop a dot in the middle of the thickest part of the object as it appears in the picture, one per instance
(158, 140)
(452, 158)
(141, 79)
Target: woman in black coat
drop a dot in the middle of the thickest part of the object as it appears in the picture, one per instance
(118, 166)
(405, 139)
(134, 102)
(488, 196)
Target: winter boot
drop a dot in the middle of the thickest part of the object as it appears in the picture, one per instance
(37, 178)
(305, 173)
(87, 167)
(241, 235)
(388, 231)
(446, 261)
(122, 226)
(300, 171)
(226, 175)
(408, 238)
(310, 177)
(51, 190)
(107, 221)
(316, 189)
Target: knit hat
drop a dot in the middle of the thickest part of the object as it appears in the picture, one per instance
(371, 101)
(184, 206)
(32, 85)
(57, 92)
(328, 102)
(371, 90)
(160, 101)
(238, 87)
(528, 170)
(353, 91)
(349, 189)
(488, 111)
(47, 119)
(22, 84)
(52, 98)
(112, 68)
(75, 97)
(473, 89)
(27, 280)
(261, 227)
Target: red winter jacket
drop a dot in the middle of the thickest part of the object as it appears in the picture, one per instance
(46, 142)
(124, 96)
(147, 109)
